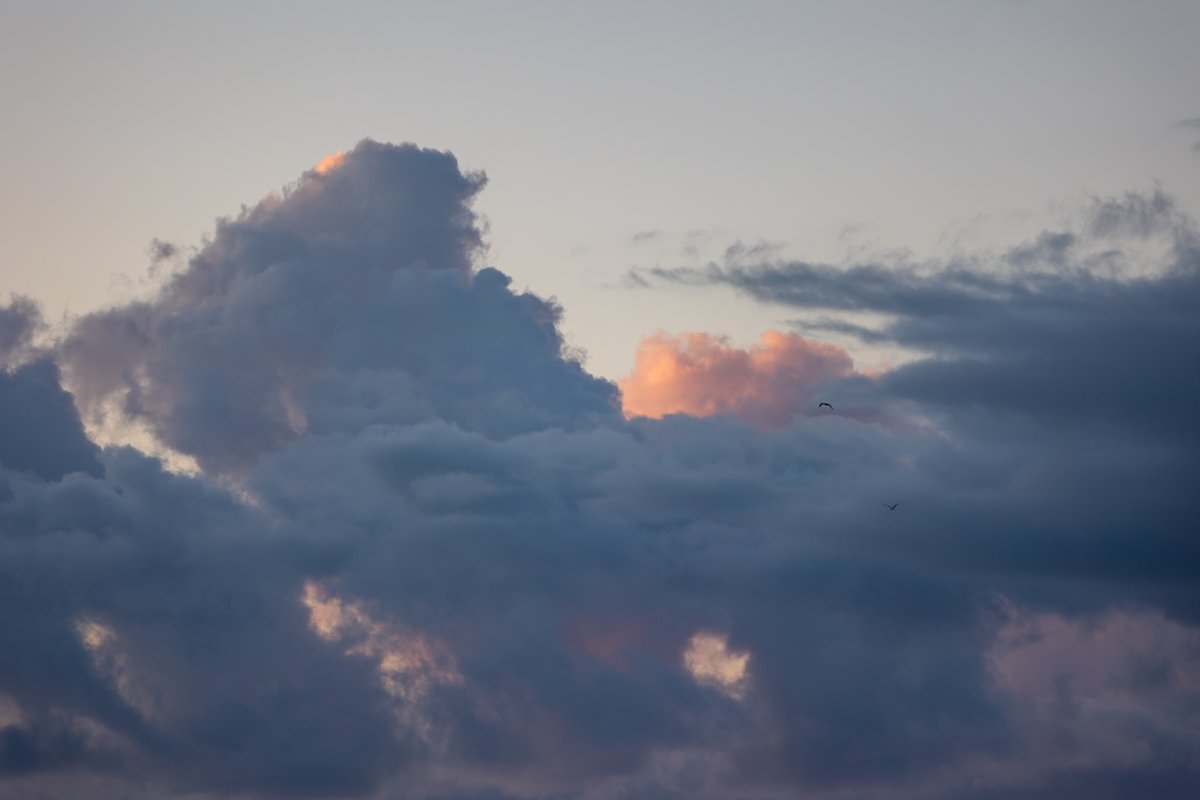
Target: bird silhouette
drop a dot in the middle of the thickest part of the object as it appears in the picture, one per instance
(826, 405)
(892, 506)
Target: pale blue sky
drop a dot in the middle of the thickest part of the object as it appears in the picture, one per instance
(827, 129)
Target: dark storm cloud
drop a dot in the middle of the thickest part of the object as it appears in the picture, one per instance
(582, 563)
(150, 616)
(1069, 395)
(447, 567)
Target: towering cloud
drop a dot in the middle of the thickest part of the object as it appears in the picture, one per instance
(427, 556)
(347, 300)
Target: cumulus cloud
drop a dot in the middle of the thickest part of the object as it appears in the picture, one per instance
(349, 298)
(699, 374)
(40, 431)
(427, 556)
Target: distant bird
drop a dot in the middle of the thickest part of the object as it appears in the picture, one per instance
(826, 405)
(891, 507)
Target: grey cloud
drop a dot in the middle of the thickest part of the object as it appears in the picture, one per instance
(19, 321)
(40, 430)
(601, 533)
(1194, 124)
(1055, 342)
(450, 568)
(1076, 392)
(357, 280)
(1051, 247)
(203, 670)
(826, 324)
(642, 237)
(1135, 214)
(161, 250)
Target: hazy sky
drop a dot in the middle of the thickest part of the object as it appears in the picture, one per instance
(832, 130)
(879, 482)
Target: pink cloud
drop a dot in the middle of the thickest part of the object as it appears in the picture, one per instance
(700, 374)
(1120, 658)
(1120, 689)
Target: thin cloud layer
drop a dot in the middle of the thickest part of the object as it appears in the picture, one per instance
(702, 375)
(427, 557)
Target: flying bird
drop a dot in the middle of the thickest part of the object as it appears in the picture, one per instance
(892, 506)
(826, 405)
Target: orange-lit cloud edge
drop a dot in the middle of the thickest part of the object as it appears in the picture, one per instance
(701, 374)
(330, 162)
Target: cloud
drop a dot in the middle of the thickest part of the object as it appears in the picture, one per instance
(349, 298)
(1138, 215)
(1051, 340)
(710, 662)
(698, 374)
(19, 321)
(1109, 696)
(1193, 123)
(40, 430)
(330, 162)
(161, 251)
(425, 555)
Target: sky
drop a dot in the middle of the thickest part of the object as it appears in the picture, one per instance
(539, 401)
(833, 131)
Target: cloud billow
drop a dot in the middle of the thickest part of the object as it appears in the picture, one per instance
(350, 298)
(427, 556)
(767, 384)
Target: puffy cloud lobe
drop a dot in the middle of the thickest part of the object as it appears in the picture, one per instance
(19, 321)
(348, 299)
(449, 568)
(1120, 664)
(1109, 701)
(702, 375)
(149, 618)
(40, 430)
